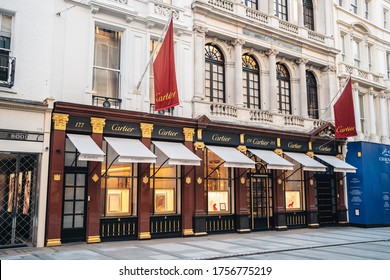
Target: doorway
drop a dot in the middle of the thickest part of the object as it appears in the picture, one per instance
(260, 198)
(74, 207)
(326, 201)
(18, 179)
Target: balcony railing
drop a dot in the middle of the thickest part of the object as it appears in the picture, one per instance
(106, 102)
(7, 70)
(167, 112)
(253, 15)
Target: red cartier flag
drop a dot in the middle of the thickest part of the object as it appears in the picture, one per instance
(344, 114)
(165, 87)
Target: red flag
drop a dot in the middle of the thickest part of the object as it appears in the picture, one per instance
(165, 87)
(344, 114)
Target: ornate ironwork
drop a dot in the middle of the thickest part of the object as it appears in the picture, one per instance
(118, 228)
(107, 102)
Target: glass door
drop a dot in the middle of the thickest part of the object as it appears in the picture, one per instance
(74, 207)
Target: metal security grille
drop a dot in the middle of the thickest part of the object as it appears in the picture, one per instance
(18, 174)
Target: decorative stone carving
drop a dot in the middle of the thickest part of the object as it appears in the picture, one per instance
(97, 125)
(60, 121)
(147, 129)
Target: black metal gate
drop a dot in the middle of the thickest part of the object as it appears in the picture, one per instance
(260, 202)
(18, 179)
(326, 201)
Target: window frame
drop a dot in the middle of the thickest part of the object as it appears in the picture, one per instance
(253, 4)
(354, 6)
(109, 70)
(356, 53)
(213, 177)
(214, 59)
(7, 63)
(251, 78)
(131, 183)
(281, 9)
(283, 82)
(308, 14)
(312, 95)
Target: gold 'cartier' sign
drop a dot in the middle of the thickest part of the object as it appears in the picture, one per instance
(221, 138)
(165, 132)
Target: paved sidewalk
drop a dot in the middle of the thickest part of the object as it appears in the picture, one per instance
(323, 243)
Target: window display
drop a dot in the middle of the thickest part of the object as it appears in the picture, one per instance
(164, 189)
(294, 188)
(219, 182)
(118, 181)
(218, 201)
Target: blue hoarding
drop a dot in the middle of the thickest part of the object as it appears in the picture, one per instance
(368, 190)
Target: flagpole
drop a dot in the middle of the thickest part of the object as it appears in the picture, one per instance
(154, 51)
(330, 103)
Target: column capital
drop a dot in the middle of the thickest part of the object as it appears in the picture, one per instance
(188, 134)
(271, 52)
(328, 68)
(301, 61)
(238, 42)
(60, 121)
(147, 129)
(97, 125)
(200, 29)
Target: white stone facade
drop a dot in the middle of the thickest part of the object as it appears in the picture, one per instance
(362, 34)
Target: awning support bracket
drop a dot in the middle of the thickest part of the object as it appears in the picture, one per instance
(189, 171)
(105, 172)
(246, 170)
(294, 172)
(214, 169)
(284, 171)
(154, 174)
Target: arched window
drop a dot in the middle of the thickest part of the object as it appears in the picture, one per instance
(280, 8)
(308, 14)
(250, 82)
(312, 98)
(215, 74)
(284, 93)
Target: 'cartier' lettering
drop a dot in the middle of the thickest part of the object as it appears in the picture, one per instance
(221, 138)
(294, 145)
(122, 128)
(341, 129)
(261, 142)
(164, 132)
(163, 97)
(325, 149)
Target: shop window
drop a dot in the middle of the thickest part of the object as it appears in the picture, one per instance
(165, 187)
(106, 69)
(251, 82)
(215, 74)
(119, 181)
(219, 184)
(294, 188)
